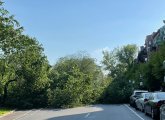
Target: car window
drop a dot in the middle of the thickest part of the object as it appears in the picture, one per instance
(138, 94)
(151, 97)
(141, 96)
(161, 96)
(147, 96)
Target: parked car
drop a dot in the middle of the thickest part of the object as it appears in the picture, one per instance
(136, 94)
(140, 102)
(162, 112)
(152, 106)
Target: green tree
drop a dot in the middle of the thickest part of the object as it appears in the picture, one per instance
(119, 62)
(76, 80)
(22, 60)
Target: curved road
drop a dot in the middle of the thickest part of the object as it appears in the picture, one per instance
(93, 112)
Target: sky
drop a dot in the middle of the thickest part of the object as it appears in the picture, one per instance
(65, 27)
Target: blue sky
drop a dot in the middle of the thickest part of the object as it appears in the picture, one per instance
(65, 27)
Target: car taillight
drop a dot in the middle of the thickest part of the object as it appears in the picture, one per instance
(159, 103)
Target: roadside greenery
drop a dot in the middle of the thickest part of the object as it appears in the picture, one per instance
(75, 80)
(152, 72)
(127, 73)
(118, 63)
(23, 66)
(4, 111)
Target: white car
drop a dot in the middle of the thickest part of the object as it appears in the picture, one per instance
(142, 99)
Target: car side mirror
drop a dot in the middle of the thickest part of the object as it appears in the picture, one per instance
(135, 96)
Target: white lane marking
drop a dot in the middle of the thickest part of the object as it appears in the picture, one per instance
(23, 115)
(86, 116)
(31, 111)
(35, 111)
(134, 112)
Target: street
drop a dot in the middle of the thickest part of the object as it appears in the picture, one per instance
(93, 112)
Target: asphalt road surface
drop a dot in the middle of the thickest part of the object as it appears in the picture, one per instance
(93, 112)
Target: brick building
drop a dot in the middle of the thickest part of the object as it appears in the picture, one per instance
(152, 43)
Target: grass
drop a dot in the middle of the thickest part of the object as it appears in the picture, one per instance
(4, 111)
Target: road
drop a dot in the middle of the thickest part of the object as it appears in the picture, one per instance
(93, 112)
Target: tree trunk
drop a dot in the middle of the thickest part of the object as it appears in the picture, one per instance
(5, 90)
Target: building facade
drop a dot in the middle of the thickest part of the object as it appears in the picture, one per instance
(152, 43)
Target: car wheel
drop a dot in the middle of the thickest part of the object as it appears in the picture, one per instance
(142, 109)
(136, 107)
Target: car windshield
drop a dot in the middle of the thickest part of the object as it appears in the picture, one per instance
(138, 94)
(147, 96)
(161, 96)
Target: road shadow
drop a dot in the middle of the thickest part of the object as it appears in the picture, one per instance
(108, 112)
(76, 113)
(73, 117)
(98, 110)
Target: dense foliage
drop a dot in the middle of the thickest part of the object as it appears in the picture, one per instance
(151, 72)
(23, 66)
(75, 81)
(118, 62)
(27, 80)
